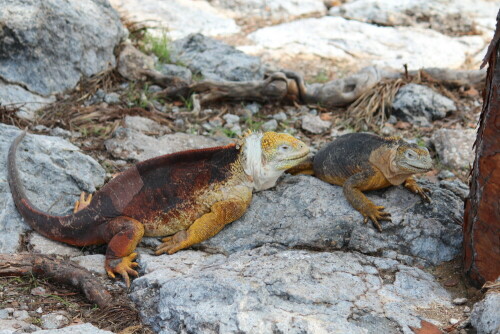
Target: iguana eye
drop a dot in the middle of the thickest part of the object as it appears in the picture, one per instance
(284, 148)
(411, 154)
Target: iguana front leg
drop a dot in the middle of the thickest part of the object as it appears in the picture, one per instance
(367, 180)
(208, 225)
(412, 185)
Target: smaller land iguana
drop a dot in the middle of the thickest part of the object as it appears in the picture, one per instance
(189, 196)
(361, 162)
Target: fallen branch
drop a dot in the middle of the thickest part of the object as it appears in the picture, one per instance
(56, 269)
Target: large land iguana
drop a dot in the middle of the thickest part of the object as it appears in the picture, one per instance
(189, 196)
(360, 162)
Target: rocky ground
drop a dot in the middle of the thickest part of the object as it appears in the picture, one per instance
(300, 260)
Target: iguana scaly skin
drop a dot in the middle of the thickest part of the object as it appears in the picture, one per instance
(362, 161)
(189, 196)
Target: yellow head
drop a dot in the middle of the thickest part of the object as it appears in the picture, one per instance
(268, 155)
(411, 158)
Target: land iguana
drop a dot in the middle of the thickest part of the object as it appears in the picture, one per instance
(361, 162)
(188, 196)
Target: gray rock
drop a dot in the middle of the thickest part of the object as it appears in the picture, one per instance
(145, 125)
(281, 116)
(53, 172)
(272, 9)
(133, 145)
(5, 313)
(94, 263)
(53, 321)
(454, 147)
(413, 101)
(132, 61)
(19, 97)
(269, 290)
(179, 17)
(215, 60)
(58, 132)
(270, 125)
(16, 327)
(112, 98)
(75, 329)
(253, 107)
(48, 46)
(459, 301)
(315, 124)
(485, 316)
(457, 187)
(231, 119)
(21, 315)
(305, 212)
(176, 71)
(40, 244)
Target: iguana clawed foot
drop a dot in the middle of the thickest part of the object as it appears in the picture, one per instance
(376, 213)
(123, 266)
(173, 243)
(412, 185)
(83, 202)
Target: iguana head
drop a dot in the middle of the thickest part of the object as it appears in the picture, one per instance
(267, 155)
(411, 158)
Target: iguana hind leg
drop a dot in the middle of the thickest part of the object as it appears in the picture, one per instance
(368, 180)
(208, 225)
(83, 202)
(122, 235)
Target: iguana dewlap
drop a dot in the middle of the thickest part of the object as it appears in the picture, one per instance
(362, 161)
(188, 196)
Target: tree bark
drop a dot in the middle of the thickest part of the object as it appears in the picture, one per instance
(482, 208)
(57, 269)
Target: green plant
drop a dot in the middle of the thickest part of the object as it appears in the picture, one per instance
(188, 103)
(158, 45)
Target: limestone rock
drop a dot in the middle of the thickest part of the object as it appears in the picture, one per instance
(176, 71)
(314, 124)
(132, 61)
(94, 263)
(54, 173)
(53, 321)
(269, 290)
(447, 16)
(179, 17)
(42, 245)
(412, 102)
(485, 316)
(75, 329)
(454, 146)
(272, 9)
(133, 145)
(17, 96)
(215, 60)
(305, 212)
(47, 46)
(365, 44)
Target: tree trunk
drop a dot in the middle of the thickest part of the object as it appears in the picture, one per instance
(482, 208)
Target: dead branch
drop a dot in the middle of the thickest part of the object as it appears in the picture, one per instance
(57, 269)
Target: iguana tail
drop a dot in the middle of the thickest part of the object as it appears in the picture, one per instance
(72, 229)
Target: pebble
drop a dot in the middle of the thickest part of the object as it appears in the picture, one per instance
(314, 124)
(21, 315)
(467, 309)
(231, 119)
(39, 310)
(270, 125)
(281, 116)
(5, 313)
(459, 301)
(445, 174)
(38, 291)
(53, 321)
(253, 108)
(453, 321)
(112, 98)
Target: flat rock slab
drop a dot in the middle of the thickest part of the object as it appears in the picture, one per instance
(269, 289)
(364, 44)
(53, 172)
(448, 16)
(271, 9)
(47, 46)
(179, 17)
(303, 211)
(134, 145)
